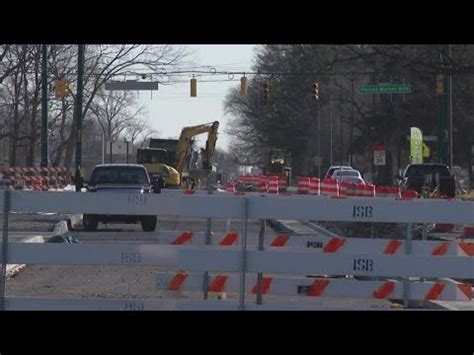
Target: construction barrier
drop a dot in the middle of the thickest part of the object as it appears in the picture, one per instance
(273, 184)
(303, 184)
(37, 179)
(230, 187)
(372, 258)
(365, 190)
(317, 287)
(407, 194)
(282, 184)
(330, 187)
(262, 184)
(343, 188)
(393, 192)
(317, 243)
(314, 186)
(381, 191)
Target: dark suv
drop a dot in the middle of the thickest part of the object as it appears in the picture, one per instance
(129, 178)
(431, 175)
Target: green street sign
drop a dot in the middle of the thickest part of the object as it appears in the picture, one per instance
(385, 89)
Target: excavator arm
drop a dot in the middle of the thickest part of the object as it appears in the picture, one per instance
(187, 133)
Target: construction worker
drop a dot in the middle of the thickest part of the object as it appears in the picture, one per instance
(78, 179)
(158, 183)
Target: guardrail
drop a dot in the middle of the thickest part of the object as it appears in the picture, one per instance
(396, 261)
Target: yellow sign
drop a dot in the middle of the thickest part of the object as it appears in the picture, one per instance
(426, 151)
(416, 140)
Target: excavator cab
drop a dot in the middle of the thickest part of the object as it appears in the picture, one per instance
(155, 161)
(278, 164)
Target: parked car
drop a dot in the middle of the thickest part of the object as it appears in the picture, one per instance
(352, 179)
(127, 178)
(416, 176)
(333, 168)
(340, 173)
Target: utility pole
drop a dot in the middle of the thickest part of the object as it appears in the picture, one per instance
(44, 108)
(450, 111)
(80, 75)
(103, 147)
(319, 142)
(330, 128)
(342, 138)
(352, 126)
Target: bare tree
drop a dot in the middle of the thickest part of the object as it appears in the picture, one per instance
(8, 62)
(105, 62)
(115, 112)
(139, 131)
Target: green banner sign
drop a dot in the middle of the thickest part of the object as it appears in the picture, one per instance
(427, 138)
(416, 146)
(385, 89)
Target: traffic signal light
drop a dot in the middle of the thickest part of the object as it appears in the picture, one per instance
(193, 87)
(315, 91)
(61, 88)
(439, 85)
(243, 86)
(265, 91)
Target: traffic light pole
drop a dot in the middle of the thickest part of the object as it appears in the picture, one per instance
(319, 140)
(450, 114)
(443, 124)
(44, 108)
(352, 126)
(80, 75)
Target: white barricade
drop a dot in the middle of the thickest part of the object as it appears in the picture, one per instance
(317, 287)
(286, 255)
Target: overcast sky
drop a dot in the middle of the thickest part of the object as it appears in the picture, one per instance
(171, 108)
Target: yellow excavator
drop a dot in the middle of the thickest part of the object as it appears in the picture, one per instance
(155, 161)
(176, 160)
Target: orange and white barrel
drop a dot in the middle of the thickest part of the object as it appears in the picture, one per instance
(272, 182)
(407, 194)
(230, 187)
(303, 184)
(343, 188)
(255, 180)
(350, 190)
(393, 192)
(282, 183)
(330, 187)
(262, 184)
(359, 190)
(381, 191)
(369, 190)
(314, 186)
